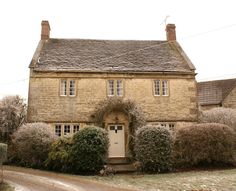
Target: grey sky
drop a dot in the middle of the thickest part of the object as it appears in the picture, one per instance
(205, 29)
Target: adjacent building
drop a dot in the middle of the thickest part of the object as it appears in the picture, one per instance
(217, 93)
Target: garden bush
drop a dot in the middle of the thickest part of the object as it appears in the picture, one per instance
(3, 153)
(89, 151)
(59, 156)
(207, 144)
(31, 143)
(221, 115)
(153, 148)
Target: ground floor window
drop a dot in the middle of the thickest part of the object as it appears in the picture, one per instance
(75, 128)
(169, 125)
(58, 130)
(65, 129)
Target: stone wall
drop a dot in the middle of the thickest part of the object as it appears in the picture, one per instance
(230, 100)
(46, 104)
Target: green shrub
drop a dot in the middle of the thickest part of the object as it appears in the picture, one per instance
(3, 153)
(31, 143)
(203, 144)
(153, 148)
(90, 149)
(59, 156)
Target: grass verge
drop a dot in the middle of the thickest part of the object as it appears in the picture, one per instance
(5, 187)
(212, 180)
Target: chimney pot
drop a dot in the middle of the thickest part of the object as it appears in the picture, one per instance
(170, 32)
(45, 32)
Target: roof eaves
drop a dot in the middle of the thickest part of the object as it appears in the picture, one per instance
(110, 71)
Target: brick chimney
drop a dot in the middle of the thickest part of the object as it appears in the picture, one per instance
(45, 32)
(170, 32)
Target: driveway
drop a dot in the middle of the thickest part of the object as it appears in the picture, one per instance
(24, 179)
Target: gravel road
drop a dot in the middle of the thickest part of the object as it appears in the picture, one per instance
(24, 179)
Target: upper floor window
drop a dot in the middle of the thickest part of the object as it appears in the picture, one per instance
(161, 88)
(72, 88)
(111, 91)
(119, 88)
(63, 88)
(115, 88)
(165, 88)
(157, 88)
(67, 87)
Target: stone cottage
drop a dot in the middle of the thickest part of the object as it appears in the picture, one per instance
(217, 93)
(70, 77)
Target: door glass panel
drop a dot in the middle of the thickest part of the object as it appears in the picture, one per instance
(119, 127)
(112, 128)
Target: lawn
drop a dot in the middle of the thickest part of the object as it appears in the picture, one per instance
(5, 187)
(212, 180)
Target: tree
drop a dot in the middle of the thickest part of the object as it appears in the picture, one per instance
(12, 116)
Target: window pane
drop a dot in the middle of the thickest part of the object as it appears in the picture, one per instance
(63, 88)
(111, 88)
(164, 87)
(112, 128)
(157, 87)
(58, 130)
(66, 129)
(119, 87)
(76, 128)
(72, 87)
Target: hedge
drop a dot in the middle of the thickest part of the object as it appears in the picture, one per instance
(203, 144)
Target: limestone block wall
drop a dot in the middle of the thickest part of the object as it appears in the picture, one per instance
(46, 104)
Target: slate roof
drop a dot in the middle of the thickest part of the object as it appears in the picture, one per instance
(78, 55)
(214, 92)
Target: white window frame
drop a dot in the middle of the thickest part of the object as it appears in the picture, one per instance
(72, 88)
(67, 130)
(76, 128)
(157, 89)
(57, 131)
(63, 87)
(161, 87)
(165, 88)
(115, 88)
(68, 87)
(111, 88)
(119, 88)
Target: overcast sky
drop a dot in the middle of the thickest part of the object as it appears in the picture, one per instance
(206, 30)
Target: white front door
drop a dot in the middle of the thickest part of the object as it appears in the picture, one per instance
(117, 140)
